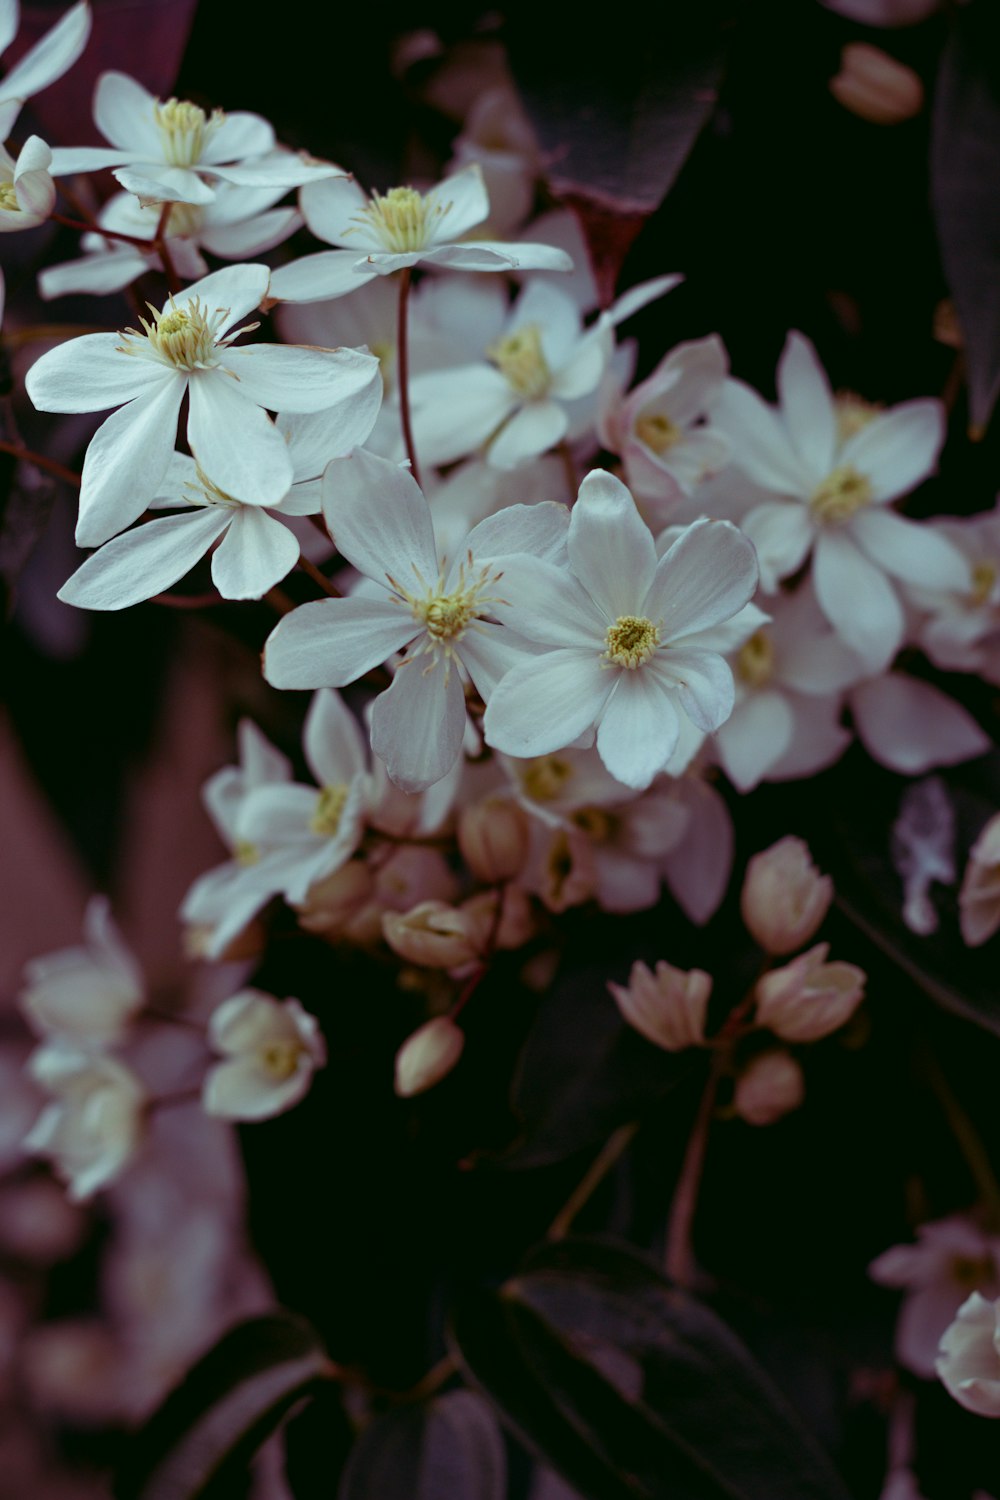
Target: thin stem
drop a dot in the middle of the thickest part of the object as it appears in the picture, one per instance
(610, 1153)
(435, 1378)
(679, 1262)
(319, 579)
(475, 980)
(187, 601)
(403, 367)
(969, 1140)
(279, 601)
(29, 456)
(163, 250)
(108, 234)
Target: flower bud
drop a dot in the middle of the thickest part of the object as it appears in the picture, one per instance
(809, 998)
(331, 904)
(770, 1086)
(979, 898)
(969, 1356)
(433, 934)
(784, 897)
(876, 86)
(494, 837)
(668, 1007)
(428, 1056)
(517, 921)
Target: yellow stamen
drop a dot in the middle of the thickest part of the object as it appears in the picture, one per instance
(8, 198)
(631, 640)
(544, 779)
(186, 130)
(521, 360)
(842, 492)
(403, 220)
(657, 432)
(329, 810)
(853, 413)
(984, 581)
(755, 662)
(596, 823)
(281, 1058)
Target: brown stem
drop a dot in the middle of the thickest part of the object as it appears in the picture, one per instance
(279, 601)
(28, 456)
(319, 579)
(679, 1257)
(489, 947)
(163, 251)
(403, 367)
(187, 601)
(612, 1150)
(108, 234)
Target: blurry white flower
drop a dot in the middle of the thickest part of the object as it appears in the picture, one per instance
(27, 192)
(497, 135)
(668, 1006)
(911, 726)
(979, 898)
(272, 1048)
(93, 1125)
(951, 1258)
(85, 996)
(770, 1086)
(809, 998)
(831, 497)
(43, 63)
(784, 898)
(428, 1056)
(433, 934)
(960, 629)
(382, 234)
(623, 633)
(969, 1359)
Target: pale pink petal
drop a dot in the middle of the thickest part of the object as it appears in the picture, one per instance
(698, 868)
(857, 598)
(611, 549)
(754, 738)
(910, 726)
(807, 406)
(782, 532)
(911, 551)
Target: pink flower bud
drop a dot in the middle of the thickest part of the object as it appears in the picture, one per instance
(770, 1086)
(668, 1007)
(428, 1056)
(784, 897)
(979, 898)
(432, 934)
(517, 924)
(495, 838)
(809, 998)
(333, 903)
(876, 86)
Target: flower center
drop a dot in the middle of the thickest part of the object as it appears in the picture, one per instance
(984, 581)
(185, 129)
(631, 640)
(186, 337)
(329, 808)
(853, 412)
(446, 615)
(281, 1058)
(404, 219)
(755, 662)
(972, 1272)
(207, 493)
(842, 492)
(245, 853)
(657, 432)
(595, 823)
(520, 359)
(184, 220)
(8, 198)
(544, 779)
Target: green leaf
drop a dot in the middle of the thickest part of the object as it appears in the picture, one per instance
(965, 169)
(224, 1408)
(630, 1387)
(449, 1448)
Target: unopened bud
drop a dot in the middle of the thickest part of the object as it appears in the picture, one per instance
(197, 942)
(979, 898)
(333, 903)
(516, 926)
(494, 837)
(433, 934)
(876, 86)
(784, 897)
(428, 1056)
(772, 1085)
(809, 998)
(668, 1007)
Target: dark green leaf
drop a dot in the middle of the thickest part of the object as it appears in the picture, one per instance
(447, 1449)
(225, 1407)
(965, 168)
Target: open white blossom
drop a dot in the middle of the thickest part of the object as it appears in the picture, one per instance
(27, 192)
(968, 1363)
(440, 609)
(623, 632)
(830, 495)
(85, 995)
(93, 1125)
(272, 1048)
(164, 151)
(43, 63)
(960, 628)
(184, 349)
(384, 233)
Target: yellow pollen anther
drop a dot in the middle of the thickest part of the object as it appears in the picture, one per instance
(329, 810)
(657, 432)
(842, 492)
(631, 640)
(972, 1272)
(403, 219)
(984, 581)
(755, 662)
(185, 337)
(543, 779)
(595, 823)
(521, 360)
(853, 412)
(446, 615)
(246, 853)
(186, 130)
(8, 198)
(281, 1058)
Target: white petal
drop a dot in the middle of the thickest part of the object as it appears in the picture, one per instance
(90, 374)
(50, 57)
(756, 736)
(315, 437)
(807, 405)
(455, 411)
(98, 274)
(697, 869)
(287, 377)
(379, 520)
(708, 574)
(418, 724)
(545, 603)
(911, 551)
(534, 429)
(638, 297)
(143, 562)
(127, 458)
(911, 726)
(67, 160)
(238, 289)
(489, 255)
(857, 599)
(465, 201)
(818, 738)
(782, 532)
(761, 446)
(538, 529)
(547, 703)
(898, 448)
(235, 442)
(702, 682)
(241, 134)
(313, 278)
(334, 746)
(331, 206)
(611, 549)
(10, 20)
(256, 553)
(638, 729)
(582, 372)
(243, 1090)
(251, 236)
(123, 113)
(334, 641)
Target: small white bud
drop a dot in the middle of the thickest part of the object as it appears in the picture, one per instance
(495, 839)
(771, 1085)
(668, 1007)
(433, 934)
(809, 998)
(428, 1056)
(784, 897)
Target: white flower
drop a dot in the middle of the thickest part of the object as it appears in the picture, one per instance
(254, 550)
(440, 610)
(428, 1056)
(518, 401)
(43, 63)
(379, 235)
(969, 1359)
(93, 1125)
(951, 1258)
(27, 192)
(831, 496)
(272, 1049)
(623, 632)
(498, 135)
(165, 151)
(184, 349)
(85, 995)
(961, 628)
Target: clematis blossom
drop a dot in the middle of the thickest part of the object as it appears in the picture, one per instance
(271, 1050)
(27, 192)
(43, 63)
